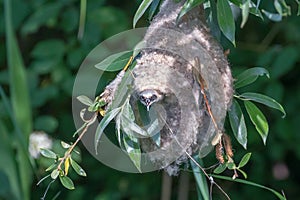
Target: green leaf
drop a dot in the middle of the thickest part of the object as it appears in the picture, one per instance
(188, 5)
(153, 8)
(242, 172)
(77, 168)
(18, 79)
(298, 10)
(54, 174)
(115, 62)
(249, 76)
(200, 179)
(272, 16)
(141, 10)
(245, 12)
(48, 153)
(51, 167)
(133, 150)
(85, 100)
(281, 197)
(244, 160)
(258, 119)
(231, 165)
(263, 99)
(102, 125)
(237, 123)
(67, 182)
(278, 7)
(225, 20)
(221, 168)
(65, 145)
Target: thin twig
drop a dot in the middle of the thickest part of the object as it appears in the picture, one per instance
(68, 153)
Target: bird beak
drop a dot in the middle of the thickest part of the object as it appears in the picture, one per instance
(148, 107)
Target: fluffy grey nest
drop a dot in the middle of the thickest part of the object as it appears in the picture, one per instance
(168, 65)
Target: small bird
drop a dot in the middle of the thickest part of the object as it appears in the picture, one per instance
(150, 96)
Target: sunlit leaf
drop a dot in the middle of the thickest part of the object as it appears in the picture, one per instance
(48, 153)
(245, 12)
(85, 100)
(263, 99)
(102, 125)
(281, 197)
(258, 119)
(278, 7)
(249, 76)
(54, 174)
(244, 160)
(77, 168)
(133, 150)
(221, 168)
(226, 20)
(115, 62)
(67, 182)
(272, 16)
(67, 165)
(237, 123)
(141, 10)
(188, 5)
(65, 145)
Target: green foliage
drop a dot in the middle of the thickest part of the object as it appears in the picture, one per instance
(50, 73)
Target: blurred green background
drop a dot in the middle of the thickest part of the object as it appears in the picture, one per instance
(46, 33)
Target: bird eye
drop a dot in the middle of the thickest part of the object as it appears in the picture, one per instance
(153, 97)
(142, 98)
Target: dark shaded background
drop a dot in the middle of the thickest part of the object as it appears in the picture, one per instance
(47, 35)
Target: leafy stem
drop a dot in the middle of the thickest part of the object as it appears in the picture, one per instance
(84, 130)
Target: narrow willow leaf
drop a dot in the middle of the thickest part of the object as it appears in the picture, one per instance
(51, 167)
(221, 168)
(82, 17)
(44, 178)
(278, 7)
(188, 5)
(65, 145)
(277, 194)
(115, 62)
(272, 16)
(200, 179)
(48, 153)
(263, 99)
(258, 119)
(67, 182)
(231, 165)
(226, 20)
(54, 174)
(249, 76)
(18, 79)
(141, 10)
(102, 125)
(77, 168)
(133, 150)
(67, 165)
(153, 8)
(237, 123)
(245, 12)
(244, 160)
(298, 10)
(243, 173)
(85, 100)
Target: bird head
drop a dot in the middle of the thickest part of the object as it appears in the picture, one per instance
(149, 96)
